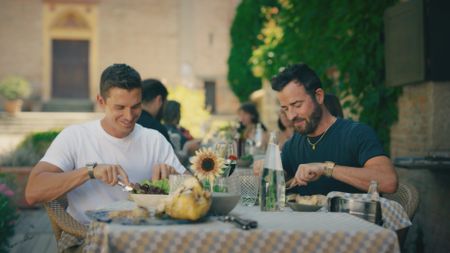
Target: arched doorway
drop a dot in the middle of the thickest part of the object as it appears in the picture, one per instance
(69, 62)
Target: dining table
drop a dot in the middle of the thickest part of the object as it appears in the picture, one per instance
(280, 231)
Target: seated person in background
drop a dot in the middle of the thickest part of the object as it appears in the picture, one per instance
(286, 129)
(86, 161)
(186, 144)
(327, 153)
(248, 121)
(333, 105)
(154, 97)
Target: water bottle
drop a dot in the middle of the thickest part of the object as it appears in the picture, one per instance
(272, 190)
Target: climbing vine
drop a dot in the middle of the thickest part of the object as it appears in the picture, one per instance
(246, 26)
(342, 40)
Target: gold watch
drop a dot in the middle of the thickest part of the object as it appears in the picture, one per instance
(329, 167)
(90, 167)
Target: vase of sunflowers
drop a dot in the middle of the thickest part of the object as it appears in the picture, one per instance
(208, 167)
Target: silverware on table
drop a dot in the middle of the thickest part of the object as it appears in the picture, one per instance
(244, 224)
(125, 188)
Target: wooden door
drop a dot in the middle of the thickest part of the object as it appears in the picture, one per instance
(70, 69)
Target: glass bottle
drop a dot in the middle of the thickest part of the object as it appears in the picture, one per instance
(272, 190)
(258, 136)
(373, 191)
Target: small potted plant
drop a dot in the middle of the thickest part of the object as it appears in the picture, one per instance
(14, 89)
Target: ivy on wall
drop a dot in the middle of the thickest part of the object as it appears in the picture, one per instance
(342, 40)
(244, 39)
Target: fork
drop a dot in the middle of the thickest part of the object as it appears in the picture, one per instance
(125, 188)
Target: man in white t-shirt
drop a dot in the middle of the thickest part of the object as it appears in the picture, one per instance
(86, 161)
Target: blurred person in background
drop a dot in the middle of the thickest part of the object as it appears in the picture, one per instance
(154, 96)
(285, 129)
(248, 125)
(333, 105)
(184, 143)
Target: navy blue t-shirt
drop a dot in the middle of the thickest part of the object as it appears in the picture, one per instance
(346, 143)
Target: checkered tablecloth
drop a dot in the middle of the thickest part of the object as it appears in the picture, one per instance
(394, 216)
(285, 231)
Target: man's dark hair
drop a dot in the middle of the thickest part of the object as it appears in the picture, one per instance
(119, 76)
(151, 88)
(300, 73)
(172, 112)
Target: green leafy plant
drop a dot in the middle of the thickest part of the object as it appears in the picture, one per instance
(152, 187)
(244, 39)
(8, 211)
(15, 87)
(342, 41)
(30, 150)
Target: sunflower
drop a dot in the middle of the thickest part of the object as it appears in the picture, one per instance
(207, 165)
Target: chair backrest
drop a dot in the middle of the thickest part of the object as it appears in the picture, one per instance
(407, 196)
(62, 221)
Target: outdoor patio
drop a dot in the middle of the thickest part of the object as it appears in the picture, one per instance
(33, 233)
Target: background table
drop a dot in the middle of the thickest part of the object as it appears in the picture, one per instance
(285, 231)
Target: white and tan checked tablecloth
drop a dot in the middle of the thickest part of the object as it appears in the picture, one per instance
(285, 231)
(394, 216)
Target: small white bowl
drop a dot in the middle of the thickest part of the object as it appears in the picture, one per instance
(149, 201)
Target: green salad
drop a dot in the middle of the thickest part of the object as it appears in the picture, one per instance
(152, 187)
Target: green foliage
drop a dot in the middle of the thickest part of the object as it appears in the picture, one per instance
(244, 31)
(8, 211)
(342, 41)
(193, 112)
(14, 87)
(162, 184)
(30, 150)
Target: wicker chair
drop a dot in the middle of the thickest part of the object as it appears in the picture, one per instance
(408, 197)
(61, 221)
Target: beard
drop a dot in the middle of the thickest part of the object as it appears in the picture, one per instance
(311, 122)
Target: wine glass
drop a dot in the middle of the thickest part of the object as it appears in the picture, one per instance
(227, 151)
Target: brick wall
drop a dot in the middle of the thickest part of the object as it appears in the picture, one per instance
(156, 37)
(424, 120)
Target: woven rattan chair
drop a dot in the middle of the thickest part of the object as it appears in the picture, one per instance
(408, 197)
(61, 221)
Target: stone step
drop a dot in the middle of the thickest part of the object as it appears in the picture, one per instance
(26, 122)
(68, 105)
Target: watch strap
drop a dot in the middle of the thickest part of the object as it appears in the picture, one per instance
(329, 167)
(90, 167)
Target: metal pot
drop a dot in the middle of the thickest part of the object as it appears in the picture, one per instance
(367, 210)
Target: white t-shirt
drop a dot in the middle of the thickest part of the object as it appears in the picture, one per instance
(81, 144)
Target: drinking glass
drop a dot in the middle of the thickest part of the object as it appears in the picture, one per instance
(228, 152)
(249, 187)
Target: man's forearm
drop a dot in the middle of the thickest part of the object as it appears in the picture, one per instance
(361, 177)
(48, 182)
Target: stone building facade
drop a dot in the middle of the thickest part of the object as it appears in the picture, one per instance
(62, 46)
